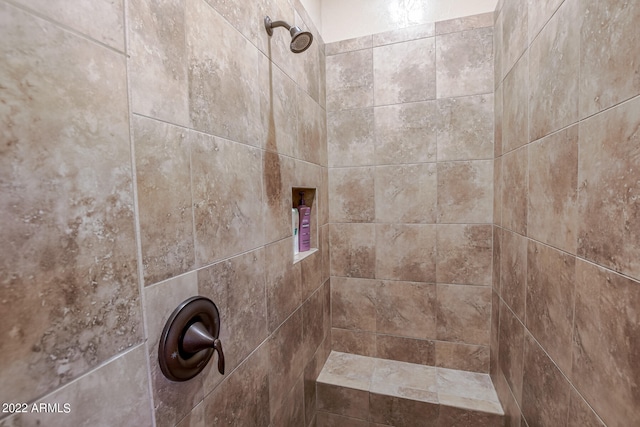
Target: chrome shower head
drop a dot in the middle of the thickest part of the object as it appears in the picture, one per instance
(300, 40)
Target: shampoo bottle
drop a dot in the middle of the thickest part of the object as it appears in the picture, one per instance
(305, 225)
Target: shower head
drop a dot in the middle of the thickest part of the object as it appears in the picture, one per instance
(300, 40)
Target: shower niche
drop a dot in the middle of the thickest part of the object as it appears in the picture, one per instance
(304, 222)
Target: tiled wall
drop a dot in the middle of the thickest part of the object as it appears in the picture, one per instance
(410, 152)
(147, 155)
(566, 290)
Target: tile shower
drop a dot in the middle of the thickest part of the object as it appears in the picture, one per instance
(477, 206)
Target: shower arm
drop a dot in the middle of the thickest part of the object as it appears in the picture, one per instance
(273, 24)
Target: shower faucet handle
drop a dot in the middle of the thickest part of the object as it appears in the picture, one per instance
(217, 345)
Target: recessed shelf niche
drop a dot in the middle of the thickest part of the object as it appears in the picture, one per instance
(309, 200)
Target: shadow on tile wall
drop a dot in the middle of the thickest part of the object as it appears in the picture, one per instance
(566, 285)
(148, 155)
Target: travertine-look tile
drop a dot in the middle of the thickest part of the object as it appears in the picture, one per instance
(283, 109)
(453, 416)
(463, 24)
(497, 191)
(353, 250)
(352, 194)
(283, 282)
(164, 198)
(312, 130)
(401, 379)
(465, 128)
(119, 384)
(513, 271)
(102, 21)
(545, 391)
(580, 414)
(406, 309)
(404, 72)
(226, 181)
(312, 370)
(291, 413)
(172, 401)
(195, 418)
(406, 193)
(608, 194)
(608, 57)
(515, 106)
(224, 77)
(70, 287)
(465, 357)
(515, 34)
(497, 257)
(405, 133)
(498, 49)
(348, 370)
(406, 252)
(465, 192)
(550, 300)
(410, 350)
(342, 46)
(465, 63)
(350, 80)
(464, 314)
(345, 401)
(553, 190)
(243, 398)
(511, 347)
(539, 13)
(553, 73)
(354, 342)
(353, 303)
(605, 342)
(351, 138)
(512, 413)
(404, 34)
(327, 419)
(159, 83)
(401, 412)
(475, 389)
(286, 359)
(464, 254)
(278, 176)
(515, 190)
(248, 18)
(237, 287)
(498, 120)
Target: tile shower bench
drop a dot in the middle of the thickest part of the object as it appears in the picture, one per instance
(360, 391)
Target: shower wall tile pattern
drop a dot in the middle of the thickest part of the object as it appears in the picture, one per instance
(410, 134)
(565, 335)
(148, 155)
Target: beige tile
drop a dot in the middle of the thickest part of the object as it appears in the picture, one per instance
(70, 284)
(497, 257)
(248, 18)
(497, 191)
(405, 252)
(121, 383)
(513, 272)
(407, 374)
(498, 49)
(352, 194)
(465, 128)
(327, 419)
(164, 198)
(351, 341)
(312, 370)
(608, 58)
(402, 412)
(237, 287)
(312, 130)
(343, 401)
(464, 254)
(351, 138)
(226, 181)
(353, 250)
(515, 191)
(342, 46)
(464, 314)
(515, 34)
(102, 21)
(465, 192)
(580, 413)
(539, 13)
(513, 415)
(405, 133)
(403, 349)
(511, 347)
(283, 283)
(277, 179)
(406, 193)
(494, 366)
(224, 77)
(465, 63)
(406, 309)
(286, 359)
(603, 356)
(404, 72)
(311, 274)
(353, 303)
(350, 80)
(553, 190)
(282, 111)
(195, 418)
(404, 34)
(459, 417)
(550, 300)
(498, 134)
(291, 413)
(553, 73)
(243, 398)
(471, 385)
(464, 357)
(348, 370)
(545, 394)
(608, 194)
(515, 100)
(158, 74)
(463, 24)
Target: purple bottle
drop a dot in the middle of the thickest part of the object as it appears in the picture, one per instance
(305, 225)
